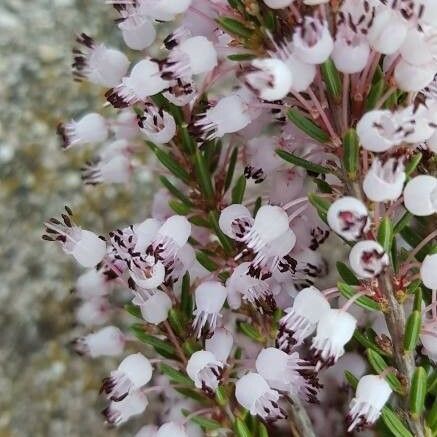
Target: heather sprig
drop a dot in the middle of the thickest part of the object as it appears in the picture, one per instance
(285, 275)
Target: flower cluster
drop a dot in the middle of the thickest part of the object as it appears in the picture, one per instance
(289, 243)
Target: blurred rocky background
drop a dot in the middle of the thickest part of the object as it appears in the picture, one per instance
(45, 389)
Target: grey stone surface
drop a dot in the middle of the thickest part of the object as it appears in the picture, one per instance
(45, 389)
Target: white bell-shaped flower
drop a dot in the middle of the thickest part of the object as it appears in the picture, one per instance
(108, 341)
(388, 31)
(115, 170)
(134, 372)
(154, 309)
(274, 252)
(147, 431)
(172, 429)
(183, 261)
(262, 232)
(371, 395)
(147, 272)
(429, 341)
(256, 290)
(301, 319)
(92, 128)
(166, 10)
(385, 180)
(93, 312)
(418, 122)
(145, 233)
(138, 31)
(428, 271)
(303, 73)
(420, 195)
(312, 40)
(143, 81)
(87, 248)
(161, 255)
(378, 131)
(420, 46)
(429, 11)
(205, 370)
(262, 159)
(412, 78)
(253, 393)
(125, 126)
(288, 373)
(184, 60)
(278, 4)
(235, 221)
(120, 412)
(368, 259)
(348, 217)
(432, 142)
(90, 284)
(115, 148)
(351, 51)
(173, 235)
(181, 92)
(97, 63)
(220, 344)
(210, 297)
(229, 115)
(334, 330)
(157, 125)
(270, 79)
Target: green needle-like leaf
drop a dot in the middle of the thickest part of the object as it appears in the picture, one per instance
(351, 153)
(307, 126)
(301, 162)
(412, 331)
(418, 392)
(331, 78)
